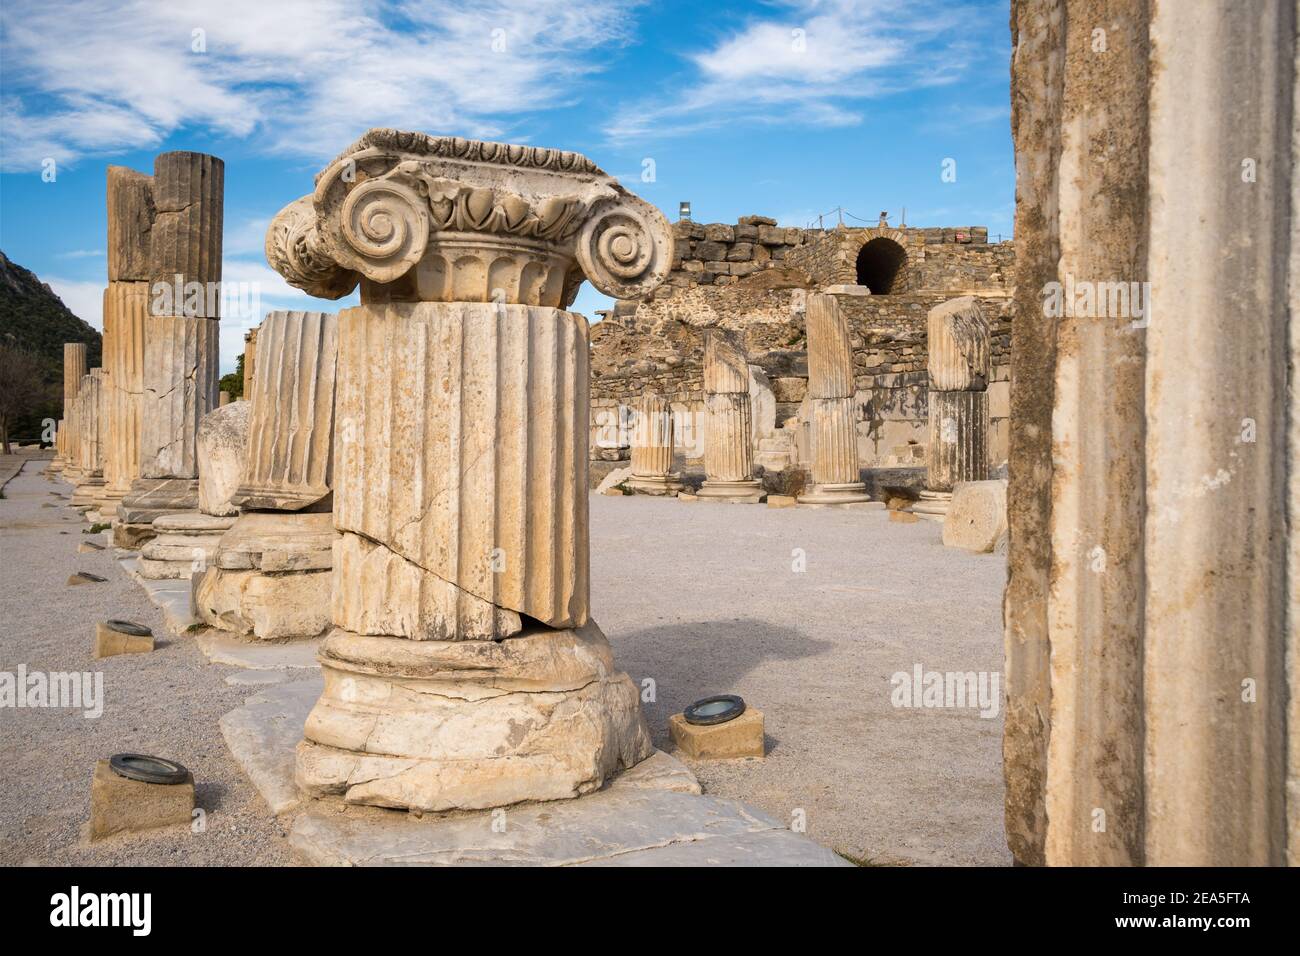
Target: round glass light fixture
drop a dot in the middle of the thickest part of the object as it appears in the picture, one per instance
(715, 710)
(147, 769)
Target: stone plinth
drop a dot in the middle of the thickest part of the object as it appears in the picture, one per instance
(110, 642)
(290, 431)
(270, 576)
(739, 737)
(652, 448)
(460, 471)
(120, 805)
(185, 544)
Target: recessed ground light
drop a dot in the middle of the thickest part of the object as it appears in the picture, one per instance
(85, 577)
(148, 769)
(129, 627)
(715, 710)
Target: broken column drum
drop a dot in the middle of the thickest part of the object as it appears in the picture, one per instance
(181, 330)
(958, 361)
(464, 670)
(728, 442)
(271, 574)
(652, 448)
(835, 475)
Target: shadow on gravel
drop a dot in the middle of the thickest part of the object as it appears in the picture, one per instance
(694, 659)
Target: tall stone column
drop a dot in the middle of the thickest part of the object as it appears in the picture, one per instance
(729, 441)
(131, 214)
(74, 369)
(250, 363)
(181, 331)
(90, 460)
(1153, 564)
(652, 448)
(464, 670)
(836, 479)
(957, 449)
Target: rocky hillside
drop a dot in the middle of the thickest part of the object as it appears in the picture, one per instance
(34, 320)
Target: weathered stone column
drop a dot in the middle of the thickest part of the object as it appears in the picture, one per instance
(90, 461)
(1151, 600)
(74, 369)
(958, 361)
(729, 441)
(130, 220)
(250, 363)
(652, 448)
(272, 571)
(835, 474)
(181, 330)
(464, 670)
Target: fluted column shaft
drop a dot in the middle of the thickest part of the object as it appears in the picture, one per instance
(652, 439)
(836, 479)
(291, 422)
(958, 364)
(729, 451)
(74, 369)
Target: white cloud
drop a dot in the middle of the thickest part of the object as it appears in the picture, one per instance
(250, 289)
(84, 299)
(306, 77)
(815, 67)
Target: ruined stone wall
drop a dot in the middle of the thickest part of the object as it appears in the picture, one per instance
(889, 363)
(658, 343)
(719, 254)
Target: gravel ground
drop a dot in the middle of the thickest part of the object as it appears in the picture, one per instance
(166, 703)
(699, 597)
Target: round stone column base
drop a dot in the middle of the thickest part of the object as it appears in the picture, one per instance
(468, 725)
(849, 493)
(86, 491)
(933, 505)
(745, 492)
(655, 484)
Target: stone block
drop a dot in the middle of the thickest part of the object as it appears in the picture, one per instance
(714, 251)
(109, 642)
(222, 440)
(977, 515)
(742, 737)
(719, 232)
(119, 805)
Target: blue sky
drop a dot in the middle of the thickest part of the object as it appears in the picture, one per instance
(787, 109)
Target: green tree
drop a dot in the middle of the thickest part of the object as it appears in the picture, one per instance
(233, 382)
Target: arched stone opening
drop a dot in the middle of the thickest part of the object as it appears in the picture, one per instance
(880, 266)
